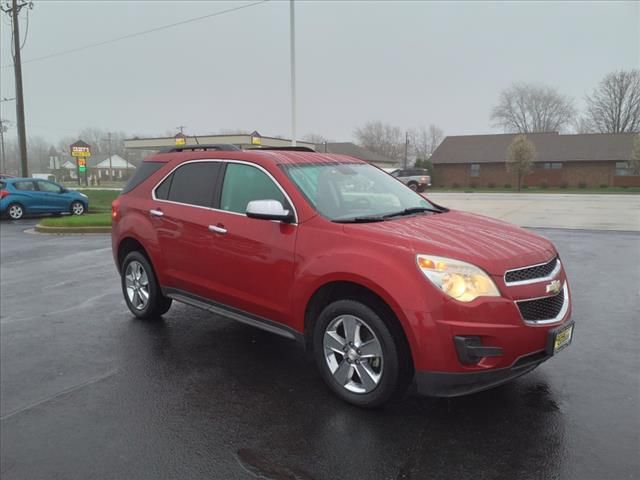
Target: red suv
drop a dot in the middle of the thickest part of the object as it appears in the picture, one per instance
(385, 287)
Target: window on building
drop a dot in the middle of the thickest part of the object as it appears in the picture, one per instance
(244, 183)
(194, 183)
(622, 169)
(474, 170)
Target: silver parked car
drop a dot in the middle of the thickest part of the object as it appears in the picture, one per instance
(417, 179)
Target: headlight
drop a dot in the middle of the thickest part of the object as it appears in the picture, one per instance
(83, 195)
(459, 280)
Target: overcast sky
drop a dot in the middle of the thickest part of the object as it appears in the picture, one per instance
(405, 63)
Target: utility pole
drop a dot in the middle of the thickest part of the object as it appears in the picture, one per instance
(292, 31)
(3, 129)
(109, 152)
(181, 128)
(406, 149)
(14, 11)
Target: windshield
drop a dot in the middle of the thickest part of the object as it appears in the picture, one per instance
(355, 191)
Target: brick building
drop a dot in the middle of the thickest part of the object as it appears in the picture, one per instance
(588, 160)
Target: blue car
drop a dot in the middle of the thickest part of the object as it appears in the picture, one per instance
(23, 196)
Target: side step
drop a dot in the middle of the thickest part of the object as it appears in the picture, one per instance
(232, 313)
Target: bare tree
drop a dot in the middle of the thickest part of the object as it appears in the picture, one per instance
(520, 156)
(424, 141)
(614, 106)
(527, 108)
(634, 163)
(315, 138)
(38, 154)
(581, 125)
(382, 138)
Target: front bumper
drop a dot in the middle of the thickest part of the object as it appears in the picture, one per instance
(448, 384)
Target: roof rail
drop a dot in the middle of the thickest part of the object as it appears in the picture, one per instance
(290, 149)
(225, 147)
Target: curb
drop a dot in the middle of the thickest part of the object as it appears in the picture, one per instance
(71, 230)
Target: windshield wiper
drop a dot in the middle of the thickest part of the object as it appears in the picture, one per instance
(370, 219)
(411, 211)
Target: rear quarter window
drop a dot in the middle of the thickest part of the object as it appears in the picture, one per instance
(144, 171)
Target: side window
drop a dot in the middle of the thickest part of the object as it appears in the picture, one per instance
(244, 183)
(194, 183)
(162, 191)
(48, 187)
(23, 186)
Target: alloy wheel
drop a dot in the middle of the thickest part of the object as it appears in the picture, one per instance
(137, 285)
(15, 212)
(353, 354)
(77, 208)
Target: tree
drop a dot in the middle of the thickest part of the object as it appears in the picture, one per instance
(634, 163)
(382, 138)
(520, 156)
(38, 154)
(614, 106)
(424, 141)
(527, 108)
(315, 138)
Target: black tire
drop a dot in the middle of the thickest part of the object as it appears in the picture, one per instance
(395, 373)
(15, 211)
(413, 186)
(156, 304)
(77, 208)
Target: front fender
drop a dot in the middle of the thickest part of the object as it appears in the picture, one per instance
(393, 278)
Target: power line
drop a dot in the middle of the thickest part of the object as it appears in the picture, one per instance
(138, 34)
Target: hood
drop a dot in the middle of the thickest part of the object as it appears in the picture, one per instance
(493, 245)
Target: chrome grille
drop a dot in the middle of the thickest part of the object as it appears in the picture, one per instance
(541, 308)
(534, 272)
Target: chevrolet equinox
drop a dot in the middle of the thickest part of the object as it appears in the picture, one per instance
(385, 288)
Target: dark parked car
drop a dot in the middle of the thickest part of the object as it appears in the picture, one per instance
(384, 286)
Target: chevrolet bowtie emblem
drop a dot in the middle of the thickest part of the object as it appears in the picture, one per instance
(554, 287)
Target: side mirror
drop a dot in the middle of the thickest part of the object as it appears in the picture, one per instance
(268, 210)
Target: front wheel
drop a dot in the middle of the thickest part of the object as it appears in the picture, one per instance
(358, 356)
(140, 288)
(77, 208)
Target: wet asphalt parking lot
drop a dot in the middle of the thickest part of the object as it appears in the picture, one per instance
(88, 392)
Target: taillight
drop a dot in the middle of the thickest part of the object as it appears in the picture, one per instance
(3, 193)
(424, 179)
(114, 209)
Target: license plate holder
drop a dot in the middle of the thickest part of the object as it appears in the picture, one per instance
(559, 338)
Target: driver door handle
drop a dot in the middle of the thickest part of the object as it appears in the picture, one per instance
(217, 229)
(156, 213)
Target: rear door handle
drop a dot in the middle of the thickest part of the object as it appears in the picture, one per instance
(156, 213)
(217, 229)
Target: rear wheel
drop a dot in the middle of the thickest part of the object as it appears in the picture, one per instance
(413, 186)
(358, 356)
(140, 287)
(77, 207)
(15, 211)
